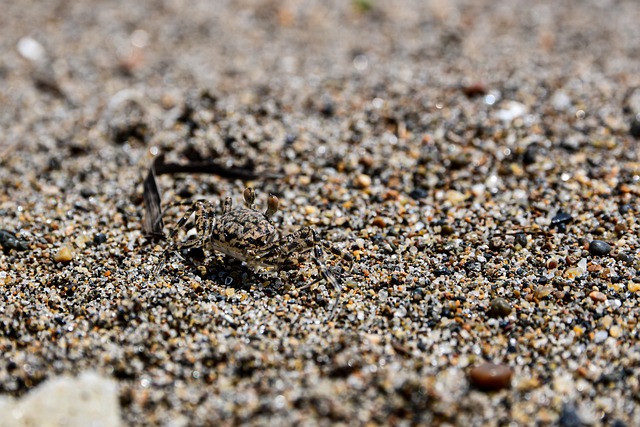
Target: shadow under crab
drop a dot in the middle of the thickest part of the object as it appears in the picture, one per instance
(251, 237)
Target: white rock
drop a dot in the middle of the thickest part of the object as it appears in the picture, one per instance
(87, 401)
(561, 101)
(31, 49)
(511, 111)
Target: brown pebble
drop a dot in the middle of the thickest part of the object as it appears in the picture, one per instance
(63, 255)
(491, 377)
(366, 161)
(598, 296)
(499, 307)
(379, 222)
(474, 90)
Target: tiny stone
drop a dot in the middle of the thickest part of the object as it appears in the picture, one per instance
(543, 292)
(521, 239)
(634, 129)
(363, 181)
(569, 416)
(491, 377)
(598, 296)
(499, 307)
(379, 222)
(529, 156)
(599, 248)
(560, 221)
(455, 197)
(634, 287)
(615, 331)
(623, 209)
(573, 272)
(418, 193)
(600, 336)
(63, 255)
(624, 257)
(99, 238)
(447, 230)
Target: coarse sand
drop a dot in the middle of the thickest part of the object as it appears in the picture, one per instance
(477, 159)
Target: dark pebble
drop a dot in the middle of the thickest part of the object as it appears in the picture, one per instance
(625, 257)
(290, 138)
(87, 192)
(521, 239)
(599, 248)
(442, 271)
(569, 416)
(561, 220)
(499, 307)
(634, 130)
(418, 193)
(491, 377)
(327, 109)
(99, 238)
(460, 161)
(474, 90)
(529, 156)
(447, 230)
(623, 209)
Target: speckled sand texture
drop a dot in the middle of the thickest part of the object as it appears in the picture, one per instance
(478, 159)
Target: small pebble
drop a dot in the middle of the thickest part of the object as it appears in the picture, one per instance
(418, 193)
(543, 292)
(599, 248)
(600, 336)
(634, 129)
(634, 287)
(623, 209)
(379, 222)
(560, 221)
(491, 377)
(99, 238)
(363, 181)
(598, 296)
(63, 255)
(455, 197)
(499, 307)
(573, 272)
(569, 416)
(521, 239)
(615, 331)
(624, 257)
(529, 156)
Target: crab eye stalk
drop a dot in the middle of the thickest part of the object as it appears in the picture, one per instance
(249, 197)
(272, 205)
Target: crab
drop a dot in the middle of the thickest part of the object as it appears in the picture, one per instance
(251, 237)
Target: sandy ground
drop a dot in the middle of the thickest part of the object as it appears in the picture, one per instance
(465, 154)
